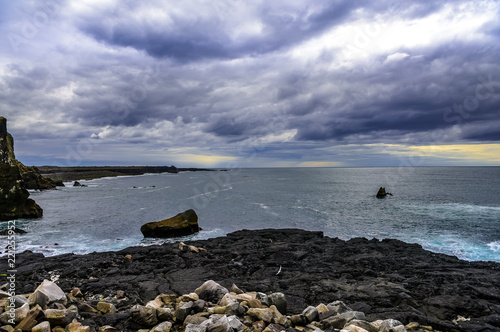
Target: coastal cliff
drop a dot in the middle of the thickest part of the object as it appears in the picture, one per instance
(15, 202)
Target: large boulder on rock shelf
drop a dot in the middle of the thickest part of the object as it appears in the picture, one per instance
(185, 223)
(48, 292)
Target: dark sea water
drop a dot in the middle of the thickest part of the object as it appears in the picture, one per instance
(452, 210)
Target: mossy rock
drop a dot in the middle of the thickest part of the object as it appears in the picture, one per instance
(14, 202)
(185, 223)
(14, 198)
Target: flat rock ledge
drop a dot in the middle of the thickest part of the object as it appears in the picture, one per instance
(293, 280)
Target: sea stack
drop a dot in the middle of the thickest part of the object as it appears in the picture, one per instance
(15, 202)
(382, 193)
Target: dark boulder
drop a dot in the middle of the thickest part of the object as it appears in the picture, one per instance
(34, 180)
(13, 231)
(185, 223)
(382, 193)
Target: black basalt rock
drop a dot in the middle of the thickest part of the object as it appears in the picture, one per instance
(385, 279)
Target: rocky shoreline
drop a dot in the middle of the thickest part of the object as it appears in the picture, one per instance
(386, 279)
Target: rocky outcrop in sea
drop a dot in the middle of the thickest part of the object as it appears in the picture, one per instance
(15, 202)
(370, 281)
(184, 223)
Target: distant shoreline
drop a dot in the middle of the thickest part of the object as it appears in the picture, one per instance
(95, 172)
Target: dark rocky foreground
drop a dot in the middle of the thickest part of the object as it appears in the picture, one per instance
(384, 279)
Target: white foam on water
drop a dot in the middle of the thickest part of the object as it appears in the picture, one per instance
(494, 246)
(454, 210)
(462, 248)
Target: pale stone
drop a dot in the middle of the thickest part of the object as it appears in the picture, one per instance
(42, 327)
(211, 291)
(195, 328)
(234, 323)
(85, 307)
(234, 309)
(144, 315)
(278, 317)
(350, 315)
(338, 306)
(228, 299)
(254, 303)
(244, 297)
(364, 324)
(218, 325)
(48, 292)
(311, 314)
(107, 328)
(120, 294)
(217, 310)
(156, 303)
(106, 308)
(77, 327)
(22, 312)
(412, 326)
(183, 310)
(299, 320)
(162, 327)
(194, 319)
(164, 314)
(236, 290)
(322, 308)
(188, 297)
(59, 317)
(278, 299)
(392, 325)
(274, 328)
(354, 328)
(263, 298)
(264, 314)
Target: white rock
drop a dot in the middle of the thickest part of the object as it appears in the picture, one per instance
(392, 325)
(195, 328)
(42, 327)
(211, 291)
(162, 327)
(228, 299)
(47, 292)
(354, 328)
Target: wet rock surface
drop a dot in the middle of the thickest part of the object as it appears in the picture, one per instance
(374, 280)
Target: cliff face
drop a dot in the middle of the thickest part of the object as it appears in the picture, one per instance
(6, 144)
(14, 198)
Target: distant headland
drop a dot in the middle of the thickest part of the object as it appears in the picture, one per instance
(95, 172)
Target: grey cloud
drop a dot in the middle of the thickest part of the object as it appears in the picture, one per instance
(219, 92)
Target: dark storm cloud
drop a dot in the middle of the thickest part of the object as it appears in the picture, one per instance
(190, 37)
(224, 73)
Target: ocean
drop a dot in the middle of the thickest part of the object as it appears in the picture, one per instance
(451, 210)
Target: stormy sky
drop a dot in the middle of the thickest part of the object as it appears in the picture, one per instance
(243, 83)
